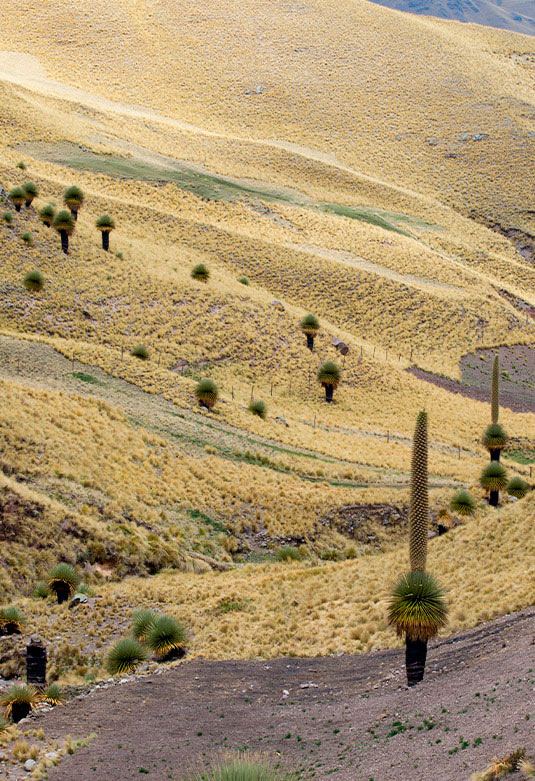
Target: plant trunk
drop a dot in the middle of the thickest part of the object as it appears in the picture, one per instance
(62, 592)
(47, 223)
(17, 207)
(329, 393)
(310, 342)
(64, 241)
(105, 240)
(415, 656)
(28, 204)
(19, 710)
(495, 455)
(74, 214)
(493, 499)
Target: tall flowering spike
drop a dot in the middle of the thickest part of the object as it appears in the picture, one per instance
(419, 502)
(495, 390)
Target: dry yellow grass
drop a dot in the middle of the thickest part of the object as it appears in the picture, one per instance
(352, 99)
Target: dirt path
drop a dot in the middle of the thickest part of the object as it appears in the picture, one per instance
(351, 716)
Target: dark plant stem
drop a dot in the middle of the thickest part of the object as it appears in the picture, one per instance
(64, 241)
(329, 393)
(62, 592)
(17, 207)
(493, 498)
(19, 710)
(74, 214)
(47, 223)
(495, 455)
(105, 240)
(310, 342)
(415, 656)
(28, 204)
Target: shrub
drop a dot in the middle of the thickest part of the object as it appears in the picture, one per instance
(310, 326)
(47, 214)
(73, 197)
(105, 224)
(63, 581)
(258, 408)
(243, 280)
(207, 392)
(417, 607)
(18, 701)
(493, 477)
(494, 437)
(7, 217)
(64, 224)
(463, 503)
(17, 196)
(166, 637)
(27, 238)
(22, 165)
(517, 487)
(288, 553)
(200, 272)
(140, 352)
(329, 376)
(245, 767)
(52, 695)
(142, 622)
(125, 655)
(11, 621)
(31, 191)
(33, 281)
(86, 589)
(41, 591)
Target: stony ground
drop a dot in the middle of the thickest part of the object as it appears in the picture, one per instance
(349, 716)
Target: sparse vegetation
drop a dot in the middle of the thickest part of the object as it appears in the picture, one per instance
(200, 273)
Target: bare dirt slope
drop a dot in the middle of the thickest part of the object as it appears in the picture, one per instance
(349, 715)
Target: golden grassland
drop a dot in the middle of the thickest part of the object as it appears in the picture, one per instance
(368, 85)
(304, 609)
(118, 490)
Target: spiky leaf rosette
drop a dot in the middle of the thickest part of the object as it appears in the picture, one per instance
(246, 766)
(125, 655)
(200, 272)
(31, 191)
(494, 477)
(64, 574)
(73, 197)
(417, 606)
(20, 695)
(206, 392)
(47, 213)
(166, 635)
(105, 223)
(52, 694)
(142, 623)
(310, 324)
(11, 620)
(463, 503)
(17, 195)
(41, 591)
(419, 501)
(33, 281)
(495, 437)
(7, 217)
(63, 221)
(258, 408)
(517, 487)
(495, 391)
(329, 374)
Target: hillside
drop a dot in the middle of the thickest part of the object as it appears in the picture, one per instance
(342, 159)
(515, 15)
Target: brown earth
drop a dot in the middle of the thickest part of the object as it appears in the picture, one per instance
(517, 389)
(349, 716)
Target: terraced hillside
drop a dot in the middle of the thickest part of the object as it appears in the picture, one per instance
(335, 159)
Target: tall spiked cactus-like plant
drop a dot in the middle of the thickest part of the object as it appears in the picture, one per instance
(495, 391)
(417, 607)
(419, 501)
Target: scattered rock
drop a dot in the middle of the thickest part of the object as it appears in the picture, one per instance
(341, 346)
(80, 599)
(281, 420)
(29, 764)
(278, 305)
(432, 141)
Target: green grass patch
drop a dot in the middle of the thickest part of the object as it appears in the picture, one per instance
(87, 378)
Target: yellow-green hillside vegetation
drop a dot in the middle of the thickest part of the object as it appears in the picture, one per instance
(338, 158)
